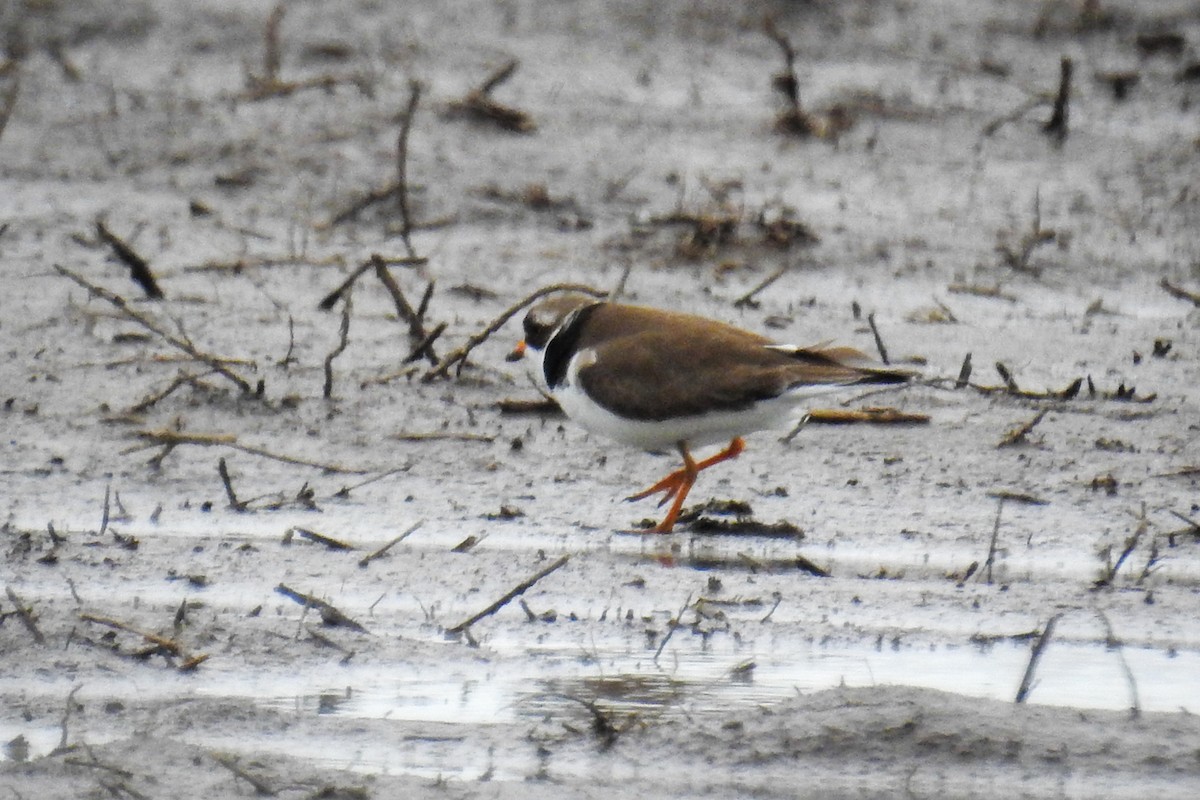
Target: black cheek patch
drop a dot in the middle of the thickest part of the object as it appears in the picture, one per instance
(563, 344)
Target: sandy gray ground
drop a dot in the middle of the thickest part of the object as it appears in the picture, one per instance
(893, 677)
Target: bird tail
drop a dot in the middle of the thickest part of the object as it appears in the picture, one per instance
(858, 367)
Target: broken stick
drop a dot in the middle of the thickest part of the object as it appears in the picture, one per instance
(169, 440)
(139, 268)
(234, 503)
(260, 785)
(343, 341)
(1017, 435)
(517, 590)
(1057, 124)
(478, 104)
(330, 300)
(883, 355)
(367, 559)
(214, 362)
(1034, 656)
(161, 642)
(330, 614)
(25, 615)
(320, 538)
(1179, 293)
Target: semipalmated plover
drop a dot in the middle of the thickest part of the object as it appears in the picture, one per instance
(658, 379)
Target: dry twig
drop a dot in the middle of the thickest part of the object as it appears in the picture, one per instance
(217, 364)
(182, 379)
(674, 624)
(1115, 644)
(964, 373)
(161, 644)
(320, 538)
(747, 300)
(169, 440)
(1056, 126)
(269, 84)
(991, 556)
(399, 187)
(508, 596)
(10, 73)
(343, 341)
(139, 268)
(25, 614)
(870, 416)
(1018, 258)
(1018, 434)
(330, 614)
(1109, 575)
(367, 559)
(64, 723)
(1039, 646)
(260, 785)
(330, 300)
(883, 355)
(414, 96)
(478, 104)
(223, 471)
(1179, 293)
(169, 646)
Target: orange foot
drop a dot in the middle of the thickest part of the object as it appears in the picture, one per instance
(679, 482)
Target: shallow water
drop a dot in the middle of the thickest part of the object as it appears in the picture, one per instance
(479, 692)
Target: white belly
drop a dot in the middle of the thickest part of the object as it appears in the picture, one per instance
(717, 427)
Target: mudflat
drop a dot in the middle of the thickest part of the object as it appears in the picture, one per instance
(252, 545)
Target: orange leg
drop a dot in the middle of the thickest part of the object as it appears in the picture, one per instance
(680, 482)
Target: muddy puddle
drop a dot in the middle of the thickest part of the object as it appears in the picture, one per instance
(567, 681)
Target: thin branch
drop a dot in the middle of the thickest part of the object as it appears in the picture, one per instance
(260, 785)
(424, 348)
(404, 309)
(1179, 293)
(964, 373)
(883, 354)
(223, 471)
(139, 268)
(320, 538)
(172, 439)
(1018, 434)
(330, 300)
(11, 70)
(25, 615)
(1016, 114)
(1057, 125)
(478, 104)
(508, 596)
(991, 555)
(272, 54)
(168, 645)
(414, 95)
(674, 624)
(330, 614)
(1039, 646)
(343, 341)
(183, 379)
(215, 363)
(1135, 705)
(367, 559)
(747, 300)
(64, 722)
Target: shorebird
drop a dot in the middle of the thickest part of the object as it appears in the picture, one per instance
(658, 379)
